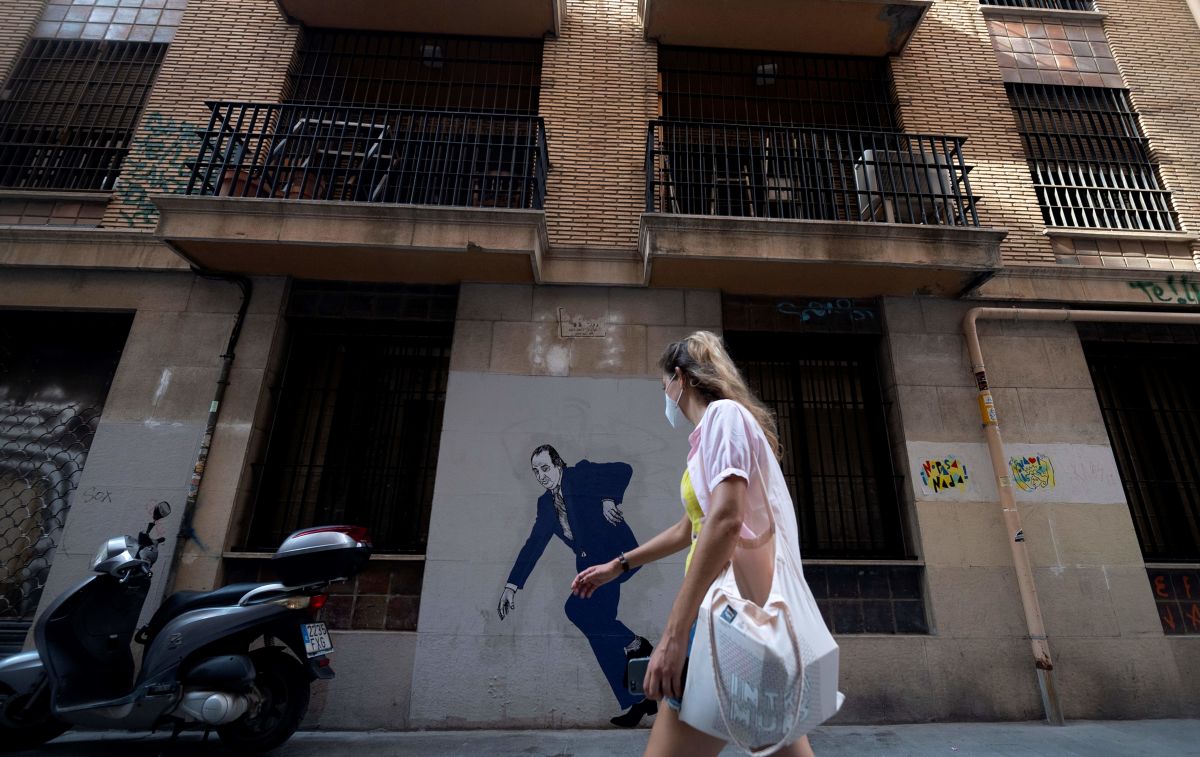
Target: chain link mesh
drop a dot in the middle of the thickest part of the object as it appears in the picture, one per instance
(55, 371)
(43, 446)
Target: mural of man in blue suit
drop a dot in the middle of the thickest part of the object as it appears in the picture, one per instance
(582, 507)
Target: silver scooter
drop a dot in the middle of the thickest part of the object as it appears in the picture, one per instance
(239, 659)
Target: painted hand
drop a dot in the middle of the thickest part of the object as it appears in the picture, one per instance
(612, 512)
(508, 602)
(586, 583)
(664, 674)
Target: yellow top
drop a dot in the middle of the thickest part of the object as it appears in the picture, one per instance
(692, 506)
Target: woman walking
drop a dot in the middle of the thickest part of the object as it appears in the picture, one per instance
(733, 453)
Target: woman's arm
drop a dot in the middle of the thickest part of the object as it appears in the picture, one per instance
(714, 550)
(674, 539)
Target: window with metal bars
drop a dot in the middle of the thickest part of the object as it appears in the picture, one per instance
(68, 112)
(355, 437)
(1145, 380)
(826, 395)
(381, 70)
(1057, 5)
(1089, 159)
(789, 89)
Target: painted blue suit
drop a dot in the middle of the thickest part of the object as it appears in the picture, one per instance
(594, 540)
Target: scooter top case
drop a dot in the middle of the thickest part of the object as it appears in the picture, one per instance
(322, 555)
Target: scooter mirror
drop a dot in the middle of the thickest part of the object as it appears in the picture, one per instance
(161, 510)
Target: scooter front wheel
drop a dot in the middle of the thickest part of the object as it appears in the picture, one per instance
(282, 684)
(26, 724)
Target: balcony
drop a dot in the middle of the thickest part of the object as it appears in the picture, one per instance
(363, 194)
(835, 27)
(487, 18)
(780, 209)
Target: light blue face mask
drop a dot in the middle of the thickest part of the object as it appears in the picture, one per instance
(674, 415)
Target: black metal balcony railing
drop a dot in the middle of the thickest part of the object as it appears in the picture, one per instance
(812, 174)
(374, 155)
(1056, 5)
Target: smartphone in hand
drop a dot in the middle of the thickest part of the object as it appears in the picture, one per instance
(635, 674)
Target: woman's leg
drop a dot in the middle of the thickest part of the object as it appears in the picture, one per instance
(800, 748)
(671, 737)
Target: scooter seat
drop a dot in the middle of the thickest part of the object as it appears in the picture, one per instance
(186, 601)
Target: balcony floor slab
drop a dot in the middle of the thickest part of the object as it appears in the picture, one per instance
(775, 256)
(354, 241)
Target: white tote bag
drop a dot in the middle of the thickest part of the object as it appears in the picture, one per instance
(762, 677)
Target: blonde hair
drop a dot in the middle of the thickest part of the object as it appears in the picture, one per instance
(708, 369)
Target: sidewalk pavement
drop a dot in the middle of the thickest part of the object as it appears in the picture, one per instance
(1148, 738)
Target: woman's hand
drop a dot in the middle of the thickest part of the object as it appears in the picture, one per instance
(664, 674)
(586, 583)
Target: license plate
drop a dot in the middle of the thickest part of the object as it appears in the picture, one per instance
(316, 639)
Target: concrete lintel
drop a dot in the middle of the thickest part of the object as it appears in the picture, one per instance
(1095, 286)
(95, 248)
(864, 258)
(1146, 236)
(354, 241)
(489, 18)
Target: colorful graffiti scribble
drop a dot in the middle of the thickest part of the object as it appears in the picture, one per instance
(1032, 473)
(948, 473)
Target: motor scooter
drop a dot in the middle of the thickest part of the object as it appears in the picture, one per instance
(240, 659)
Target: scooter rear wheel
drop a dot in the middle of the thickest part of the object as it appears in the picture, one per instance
(283, 684)
(24, 725)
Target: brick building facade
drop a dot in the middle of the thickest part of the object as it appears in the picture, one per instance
(470, 234)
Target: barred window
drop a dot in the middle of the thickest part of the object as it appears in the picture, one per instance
(825, 393)
(355, 437)
(421, 72)
(1089, 158)
(735, 86)
(69, 110)
(1057, 5)
(1145, 382)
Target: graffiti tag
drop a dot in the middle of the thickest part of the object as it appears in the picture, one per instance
(825, 309)
(92, 494)
(947, 473)
(155, 164)
(1033, 472)
(1180, 291)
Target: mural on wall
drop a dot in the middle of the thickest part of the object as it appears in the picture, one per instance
(581, 505)
(946, 473)
(1032, 472)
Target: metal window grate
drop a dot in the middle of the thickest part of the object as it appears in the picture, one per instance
(419, 72)
(826, 396)
(1057, 5)
(1147, 395)
(858, 598)
(356, 432)
(802, 173)
(70, 111)
(732, 86)
(1089, 159)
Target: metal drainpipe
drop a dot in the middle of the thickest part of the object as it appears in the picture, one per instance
(186, 525)
(1012, 518)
